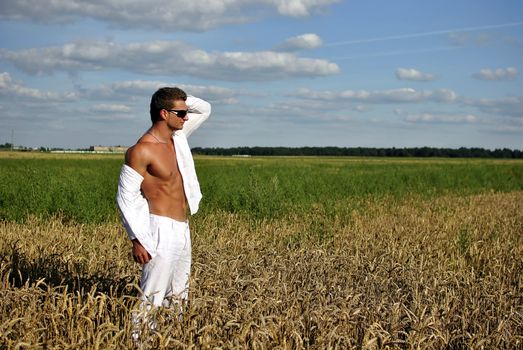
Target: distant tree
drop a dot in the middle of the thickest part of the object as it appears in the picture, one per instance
(363, 152)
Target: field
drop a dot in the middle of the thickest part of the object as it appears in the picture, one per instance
(288, 253)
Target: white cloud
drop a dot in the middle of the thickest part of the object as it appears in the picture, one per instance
(497, 74)
(293, 111)
(403, 95)
(111, 108)
(11, 88)
(138, 89)
(129, 89)
(511, 106)
(299, 8)
(301, 42)
(508, 126)
(168, 57)
(169, 15)
(441, 118)
(104, 103)
(412, 74)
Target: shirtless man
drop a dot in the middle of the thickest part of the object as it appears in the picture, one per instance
(157, 188)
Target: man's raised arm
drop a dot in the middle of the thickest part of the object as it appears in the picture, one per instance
(199, 111)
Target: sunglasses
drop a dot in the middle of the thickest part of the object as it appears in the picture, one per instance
(180, 113)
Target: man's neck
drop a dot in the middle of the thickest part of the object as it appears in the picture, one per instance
(161, 131)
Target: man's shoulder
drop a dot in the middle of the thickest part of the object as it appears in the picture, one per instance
(144, 144)
(140, 151)
(138, 147)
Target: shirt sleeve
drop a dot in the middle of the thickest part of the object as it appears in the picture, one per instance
(199, 111)
(134, 209)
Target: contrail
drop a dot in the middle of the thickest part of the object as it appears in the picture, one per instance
(417, 35)
(395, 53)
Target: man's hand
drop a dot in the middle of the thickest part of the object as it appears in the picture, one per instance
(140, 255)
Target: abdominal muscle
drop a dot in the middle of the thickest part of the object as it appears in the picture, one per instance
(166, 197)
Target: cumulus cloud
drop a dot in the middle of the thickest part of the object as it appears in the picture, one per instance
(138, 89)
(497, 74)
(196, 15)
(12, 88)
(403, 95)
(440, 118)
(168, 57)
(412, 74)
(301, 42)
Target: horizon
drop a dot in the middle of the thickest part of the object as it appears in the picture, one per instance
(37, 148)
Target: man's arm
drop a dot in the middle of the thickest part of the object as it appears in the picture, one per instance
(199, 111)
(133, 207)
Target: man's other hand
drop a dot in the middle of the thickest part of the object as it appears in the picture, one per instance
(140, 255)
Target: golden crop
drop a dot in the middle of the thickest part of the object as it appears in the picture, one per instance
(414, 273)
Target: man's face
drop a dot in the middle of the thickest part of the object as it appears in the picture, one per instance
(174, 120)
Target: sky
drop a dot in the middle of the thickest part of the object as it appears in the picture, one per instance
(291, 73)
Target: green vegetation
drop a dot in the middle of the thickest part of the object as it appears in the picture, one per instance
(269, 187)
(82, 188)
(76, 189)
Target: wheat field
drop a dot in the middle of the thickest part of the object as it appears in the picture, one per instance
(416, 275)
(408, 272)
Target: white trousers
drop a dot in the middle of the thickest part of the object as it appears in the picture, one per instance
(165, 278)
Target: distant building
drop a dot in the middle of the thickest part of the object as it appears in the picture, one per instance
(108, 149)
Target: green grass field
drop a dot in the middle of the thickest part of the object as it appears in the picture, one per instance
(82, 187)
(288, 253)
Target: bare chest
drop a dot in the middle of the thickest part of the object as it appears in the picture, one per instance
(164, 166)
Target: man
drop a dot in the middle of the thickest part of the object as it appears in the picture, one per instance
(157, 186)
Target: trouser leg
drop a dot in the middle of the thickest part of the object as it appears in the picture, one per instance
(178, 289)
(165, 278)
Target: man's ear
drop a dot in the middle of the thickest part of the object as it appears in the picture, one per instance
(164, 114)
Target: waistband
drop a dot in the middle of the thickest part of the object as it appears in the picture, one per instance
(166, 220)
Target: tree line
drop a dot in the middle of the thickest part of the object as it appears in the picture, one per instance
(462, 152)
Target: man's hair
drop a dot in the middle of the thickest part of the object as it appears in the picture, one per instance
(163, 99)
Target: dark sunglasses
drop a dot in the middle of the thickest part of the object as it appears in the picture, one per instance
(180, 113)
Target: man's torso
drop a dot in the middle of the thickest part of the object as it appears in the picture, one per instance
(163, 184)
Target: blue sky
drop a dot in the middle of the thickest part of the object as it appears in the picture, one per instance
(277, 72)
